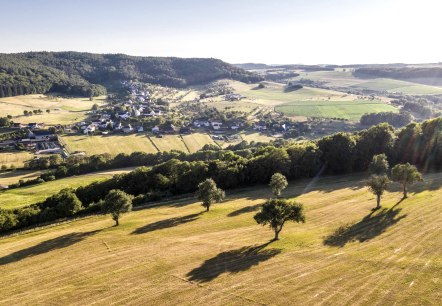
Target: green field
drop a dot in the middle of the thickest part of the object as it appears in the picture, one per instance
(62, 110)
(32, 194)
(112, 144)
(175, 254)
(351, 110)
(346, 79)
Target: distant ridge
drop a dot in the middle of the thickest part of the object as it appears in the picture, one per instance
(89, 74)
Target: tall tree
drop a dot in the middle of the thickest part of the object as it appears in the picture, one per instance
(405, 174)
(377, 184)
(116, 203)
(278, 183)
(209, 193)
(276, 212)
(379, 165)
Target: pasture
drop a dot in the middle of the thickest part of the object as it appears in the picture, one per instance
(169, 142)
(24, 196)
(17, 158)
(351, 110)
(112, 144)
(196, 141)
(62, 110)
(11, 177)
(177, 254)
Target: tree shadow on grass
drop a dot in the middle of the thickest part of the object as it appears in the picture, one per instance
(167, 223)
(244, 210)
(368, 228)
(233, 261)
(47, 246)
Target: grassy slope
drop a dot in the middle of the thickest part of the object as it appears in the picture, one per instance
(17, 158)
(112, 144)
(196, 141)
(173, 254)
(63, 110)
(11, 177)
(32, 194)
(311, 102)
(346, 79)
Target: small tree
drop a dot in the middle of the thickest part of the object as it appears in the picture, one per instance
(377, 184)
(275, 212)
(405, 174)
(116, 203)
(48, 111)
(379, 165)
(95, 106)
(278, 183)
(209, 193)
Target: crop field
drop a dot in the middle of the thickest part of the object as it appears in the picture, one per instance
(346, 79)
(221, 104)
(24, 196)
(196, 141)
(351, 110)
(170, 142)
(112, 144)
(176, 254)
(15, 158)
(62, 110)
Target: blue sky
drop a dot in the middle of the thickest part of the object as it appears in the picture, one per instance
(278, 31)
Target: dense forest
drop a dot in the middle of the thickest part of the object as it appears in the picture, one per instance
(176, 173)
(88, 74)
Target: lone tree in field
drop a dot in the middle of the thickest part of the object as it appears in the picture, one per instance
(116, 203)
(377, 184)
(209, 193)
(379, 165)
(278, 183)
(405, 174)
(275, 212)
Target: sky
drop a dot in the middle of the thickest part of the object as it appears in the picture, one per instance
(236, 31)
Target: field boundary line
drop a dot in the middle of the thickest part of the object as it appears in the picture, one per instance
(153, 143)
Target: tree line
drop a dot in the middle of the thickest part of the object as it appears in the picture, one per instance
(179, 173)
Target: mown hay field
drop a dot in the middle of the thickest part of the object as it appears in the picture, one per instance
(62, 110)
(176, 254)
(112, 144)
(17, 159)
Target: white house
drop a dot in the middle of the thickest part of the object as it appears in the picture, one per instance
(155, 129)
(127, 128)
(216, 124)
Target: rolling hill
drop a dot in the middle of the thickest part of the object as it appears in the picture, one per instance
(175, 254)
(88, 74)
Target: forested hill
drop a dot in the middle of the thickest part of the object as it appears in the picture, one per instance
(402, 73)
(89, 74)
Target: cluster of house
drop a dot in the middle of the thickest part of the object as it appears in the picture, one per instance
(42, 142)
(219, 125)
(104, 125)
(233, 97)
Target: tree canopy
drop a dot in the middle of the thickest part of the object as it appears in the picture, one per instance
(116, 203)
(405, 174)
(276, 212)
(209, 193)
(278, 183)
(377, 184)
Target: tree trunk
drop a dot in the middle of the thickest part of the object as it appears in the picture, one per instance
(117, 222)
(405, 191)
(207, 207)
(378, 201)
(276, 235)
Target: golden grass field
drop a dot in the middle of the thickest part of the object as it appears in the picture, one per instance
(115, 144)
(196, 141)
(11, 177)
(176, 254)
(62, 110)
(17, 159)
(112, 144)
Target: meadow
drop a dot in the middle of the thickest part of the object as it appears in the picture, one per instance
(62, 110)
(112, 144)
(115, 144)
(176, 254)
(346, 79)
(311, 102)
(351, 110)
(17, 158)
(24, 196)
(11, 177)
